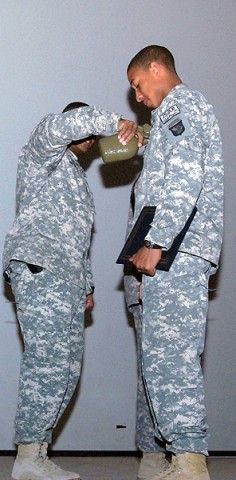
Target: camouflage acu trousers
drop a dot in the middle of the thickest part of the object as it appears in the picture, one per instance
(145, 430)
(173, 333)
(51, 317)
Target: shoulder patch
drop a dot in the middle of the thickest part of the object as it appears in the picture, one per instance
(177, 128)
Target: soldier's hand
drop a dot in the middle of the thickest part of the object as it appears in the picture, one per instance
(146, 260)
(89, 302)
(127, 130)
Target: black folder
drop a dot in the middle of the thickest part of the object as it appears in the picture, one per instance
(137, 235)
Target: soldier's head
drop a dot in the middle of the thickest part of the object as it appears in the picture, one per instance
(74, 105)
(79, 146)
(152, 75)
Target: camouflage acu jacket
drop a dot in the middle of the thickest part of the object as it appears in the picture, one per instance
(55, 207)
(183, 167)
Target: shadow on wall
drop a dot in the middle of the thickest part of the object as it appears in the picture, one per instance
(117, 174)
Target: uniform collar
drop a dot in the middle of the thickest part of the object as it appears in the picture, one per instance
(171, 96)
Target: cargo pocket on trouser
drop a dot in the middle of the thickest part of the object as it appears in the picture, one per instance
(174, 320)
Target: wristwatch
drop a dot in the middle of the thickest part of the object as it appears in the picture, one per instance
(91, 291)
(149, 244)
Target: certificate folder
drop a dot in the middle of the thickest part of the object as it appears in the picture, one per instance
(137, 235)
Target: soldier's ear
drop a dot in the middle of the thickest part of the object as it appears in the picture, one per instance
(155, 68)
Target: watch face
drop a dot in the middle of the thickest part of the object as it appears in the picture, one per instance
(147, 243)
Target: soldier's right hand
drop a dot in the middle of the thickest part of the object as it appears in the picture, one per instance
(127, 130)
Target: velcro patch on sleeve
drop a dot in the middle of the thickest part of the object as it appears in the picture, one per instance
(171, 112)
(175, 124)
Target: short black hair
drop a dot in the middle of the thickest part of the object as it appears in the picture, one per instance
(73, 105)
(153, 53)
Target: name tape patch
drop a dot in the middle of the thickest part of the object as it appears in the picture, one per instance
(170, 113)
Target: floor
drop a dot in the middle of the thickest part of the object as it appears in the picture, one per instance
(120, 468)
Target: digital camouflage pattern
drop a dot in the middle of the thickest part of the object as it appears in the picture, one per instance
(51, 316)
(52, 229)
(146, 440)
(173, 332)
(55, 207)
(183, 167)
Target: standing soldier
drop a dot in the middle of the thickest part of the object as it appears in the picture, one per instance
(46, 261)
(183, 168)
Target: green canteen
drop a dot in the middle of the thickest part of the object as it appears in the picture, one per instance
(112, 150)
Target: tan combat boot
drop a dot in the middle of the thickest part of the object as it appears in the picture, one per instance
(187, 466)
(152, 466)
(32, 463)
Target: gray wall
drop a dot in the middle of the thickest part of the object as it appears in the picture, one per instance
(53, 52)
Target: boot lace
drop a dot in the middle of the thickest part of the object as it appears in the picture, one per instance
(48, 465)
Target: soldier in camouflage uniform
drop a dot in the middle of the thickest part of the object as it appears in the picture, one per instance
(183, 168)
(46, 261)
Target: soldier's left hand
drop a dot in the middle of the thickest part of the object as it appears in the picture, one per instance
(146, 260)
(89, 302)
